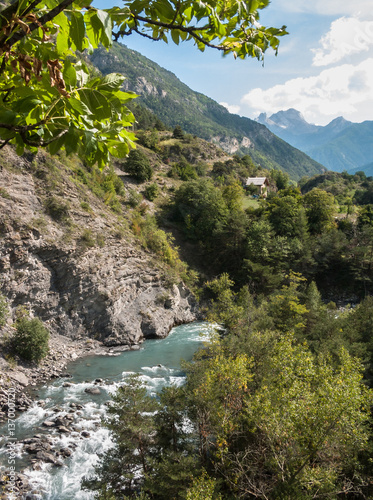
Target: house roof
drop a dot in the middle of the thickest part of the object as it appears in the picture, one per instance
(257, 181)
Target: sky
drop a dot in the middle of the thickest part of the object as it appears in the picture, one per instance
(324, 67)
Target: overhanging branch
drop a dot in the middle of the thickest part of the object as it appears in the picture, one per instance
(191, 30)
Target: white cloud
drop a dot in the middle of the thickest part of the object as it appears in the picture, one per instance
(344, 90)
(328, 7)
(232, 108)
(346, 36)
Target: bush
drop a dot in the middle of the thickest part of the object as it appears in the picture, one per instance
(151, 192)
(134, 198)
(178, 132)
(31, 340)
(87, 239)
(3, 310)
(183, 170)
(57, 208)
(138, 165)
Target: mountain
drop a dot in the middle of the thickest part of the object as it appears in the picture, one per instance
(351, 149)
(368, 169)
(176, 104)
(340, 145)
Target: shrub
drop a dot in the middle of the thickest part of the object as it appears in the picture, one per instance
(85, 206)
(178, 132)
(134, 198)
(183, 170)
(3, 310)
(57, 208)
(31, 340)
(138, 165)
(151, 192)
(87, 239)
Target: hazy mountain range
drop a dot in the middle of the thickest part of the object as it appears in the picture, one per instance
(340, 145)
(176, 104)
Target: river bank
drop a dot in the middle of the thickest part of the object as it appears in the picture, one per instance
(21, 377)
(60, 434)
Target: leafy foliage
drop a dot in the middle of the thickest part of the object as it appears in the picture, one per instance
(151, 192)
(50, 98)
(138, 165)
(31, 339)
(266, 416)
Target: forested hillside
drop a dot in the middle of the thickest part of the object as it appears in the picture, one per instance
(278, 406)
(176, 104)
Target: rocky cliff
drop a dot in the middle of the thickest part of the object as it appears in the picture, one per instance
(83, 275)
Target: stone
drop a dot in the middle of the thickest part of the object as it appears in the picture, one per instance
(48, 423)
(65, 452)
(92, 390)
(63, 429)
(46, 457)
(20, 378)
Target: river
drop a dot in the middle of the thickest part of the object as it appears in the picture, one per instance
(157, 363)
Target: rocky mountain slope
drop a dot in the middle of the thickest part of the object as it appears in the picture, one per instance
(84, 275)
(176, 104)
(340, 145)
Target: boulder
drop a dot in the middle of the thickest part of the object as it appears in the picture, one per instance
(92, 390)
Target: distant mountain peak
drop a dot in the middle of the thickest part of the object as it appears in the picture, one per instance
(289, 114)
(340, 145)
(338, 124)
(290, 120)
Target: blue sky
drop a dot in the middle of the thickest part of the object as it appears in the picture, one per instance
(324, 67)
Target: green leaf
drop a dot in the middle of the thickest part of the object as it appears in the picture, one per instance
(26, 104)
(165, 9)
(7, 116)
(82, 73)
(110, 82)
(69, 73)
(77, 30)
(175, 36)
(56, 145)
(96, 102)
(78, 106)
(107, 27)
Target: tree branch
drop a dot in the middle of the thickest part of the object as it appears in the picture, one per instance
(192, 31)
(42, 143)
(16, 37)
(20, 129)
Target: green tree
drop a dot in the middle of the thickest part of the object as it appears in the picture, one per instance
(138, 165)
(310, 424)
(31, 339)
(178, 132)
(320, 209)
(49, 97)
(131, 424)
(281, 179)
(202, 208)
(286, 216)
(365, 217)
(281, 423)
(285, 307)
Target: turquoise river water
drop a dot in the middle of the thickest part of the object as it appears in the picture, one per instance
(157, 362)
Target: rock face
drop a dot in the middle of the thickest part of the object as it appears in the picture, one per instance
(112, 292)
